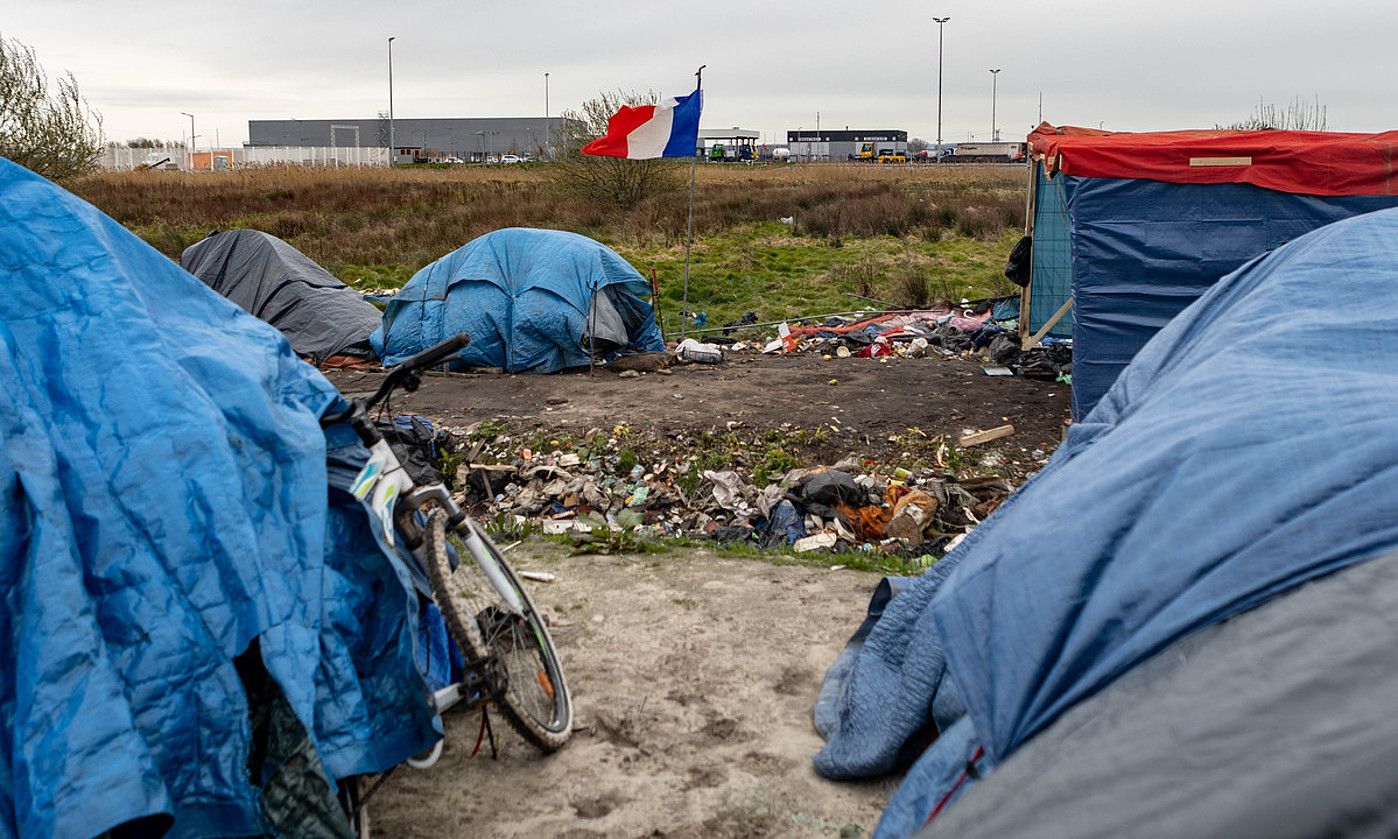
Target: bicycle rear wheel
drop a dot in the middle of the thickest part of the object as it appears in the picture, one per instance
(488, 612)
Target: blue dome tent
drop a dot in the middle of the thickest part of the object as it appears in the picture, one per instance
(532, 301)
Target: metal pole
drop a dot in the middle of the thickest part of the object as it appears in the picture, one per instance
(994, 79)
(548, 133)
(392, 141)
(689, 240)
(939, 21)
(191, 141)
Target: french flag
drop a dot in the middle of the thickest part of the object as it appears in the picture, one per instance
(669, 129)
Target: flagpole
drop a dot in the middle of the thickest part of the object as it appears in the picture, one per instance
(689, 240)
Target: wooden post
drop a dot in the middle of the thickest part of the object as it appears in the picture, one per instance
(655, 303)
(1034, 340)
(689, 239)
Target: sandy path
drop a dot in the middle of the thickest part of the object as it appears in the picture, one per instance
(693, 677)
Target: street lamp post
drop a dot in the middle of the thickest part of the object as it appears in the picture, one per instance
(939, 21)
(994, 80)
(191, 138)
(548, 134)
(392, 141)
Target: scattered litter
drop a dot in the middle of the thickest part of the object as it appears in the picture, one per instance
(693, 351)
(601, 488)
(538, 576)
(816, 542)
(979, 437)
(990, 370)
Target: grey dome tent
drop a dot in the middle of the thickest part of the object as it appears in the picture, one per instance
(321, 316)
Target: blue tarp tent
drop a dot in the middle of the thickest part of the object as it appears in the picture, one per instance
(1134, 227)
(529, 299)
(1247, 449)
(165, 482)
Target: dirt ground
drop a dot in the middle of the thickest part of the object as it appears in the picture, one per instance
(693, 678)
(869, 399)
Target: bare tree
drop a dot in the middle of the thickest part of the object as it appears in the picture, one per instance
(1298, 115)
(611, 180)
(49, 129)
(917, 144)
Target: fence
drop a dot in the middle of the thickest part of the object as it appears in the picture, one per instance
(312, 156)
(122, 159)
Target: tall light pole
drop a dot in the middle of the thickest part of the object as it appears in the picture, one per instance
(191, 138)
(392, 141)
(548, 119)
(939, 21)
(994, 81)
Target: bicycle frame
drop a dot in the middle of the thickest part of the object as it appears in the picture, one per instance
(396, 501)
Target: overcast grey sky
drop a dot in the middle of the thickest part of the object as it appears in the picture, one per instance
(772, 64)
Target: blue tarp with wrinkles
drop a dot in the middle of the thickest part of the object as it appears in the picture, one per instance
(525, 297)
(164, 481)
(1141, 251)
(1246, 450)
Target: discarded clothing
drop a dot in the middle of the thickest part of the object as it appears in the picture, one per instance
(784, 526)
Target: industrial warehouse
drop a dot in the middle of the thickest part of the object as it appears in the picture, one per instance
(468, 139)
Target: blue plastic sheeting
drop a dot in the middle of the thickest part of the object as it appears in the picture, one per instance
(165, 487)
(1144, 250)
(1246, 450)
(526, 299)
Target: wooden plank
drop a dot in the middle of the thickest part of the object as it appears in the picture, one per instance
(1033, 341)
(986, 436)
(1220, 161)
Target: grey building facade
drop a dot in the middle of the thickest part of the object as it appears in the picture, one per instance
(841, 145)
(469, 138)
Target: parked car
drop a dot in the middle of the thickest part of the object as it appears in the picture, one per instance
(511, 158)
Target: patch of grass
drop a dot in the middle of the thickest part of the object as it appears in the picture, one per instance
(488, 430)
(878, 563)
(775, 462)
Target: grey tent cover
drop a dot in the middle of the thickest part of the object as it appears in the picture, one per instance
(320, 315)
(1281, 722)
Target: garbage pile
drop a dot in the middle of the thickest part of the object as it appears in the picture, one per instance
(986, 330)
(600, 483)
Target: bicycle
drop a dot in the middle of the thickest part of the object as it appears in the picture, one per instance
(510, 656)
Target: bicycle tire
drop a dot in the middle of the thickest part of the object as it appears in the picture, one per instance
(464, 624)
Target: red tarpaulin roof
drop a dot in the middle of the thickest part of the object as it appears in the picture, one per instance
(1307, 162)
